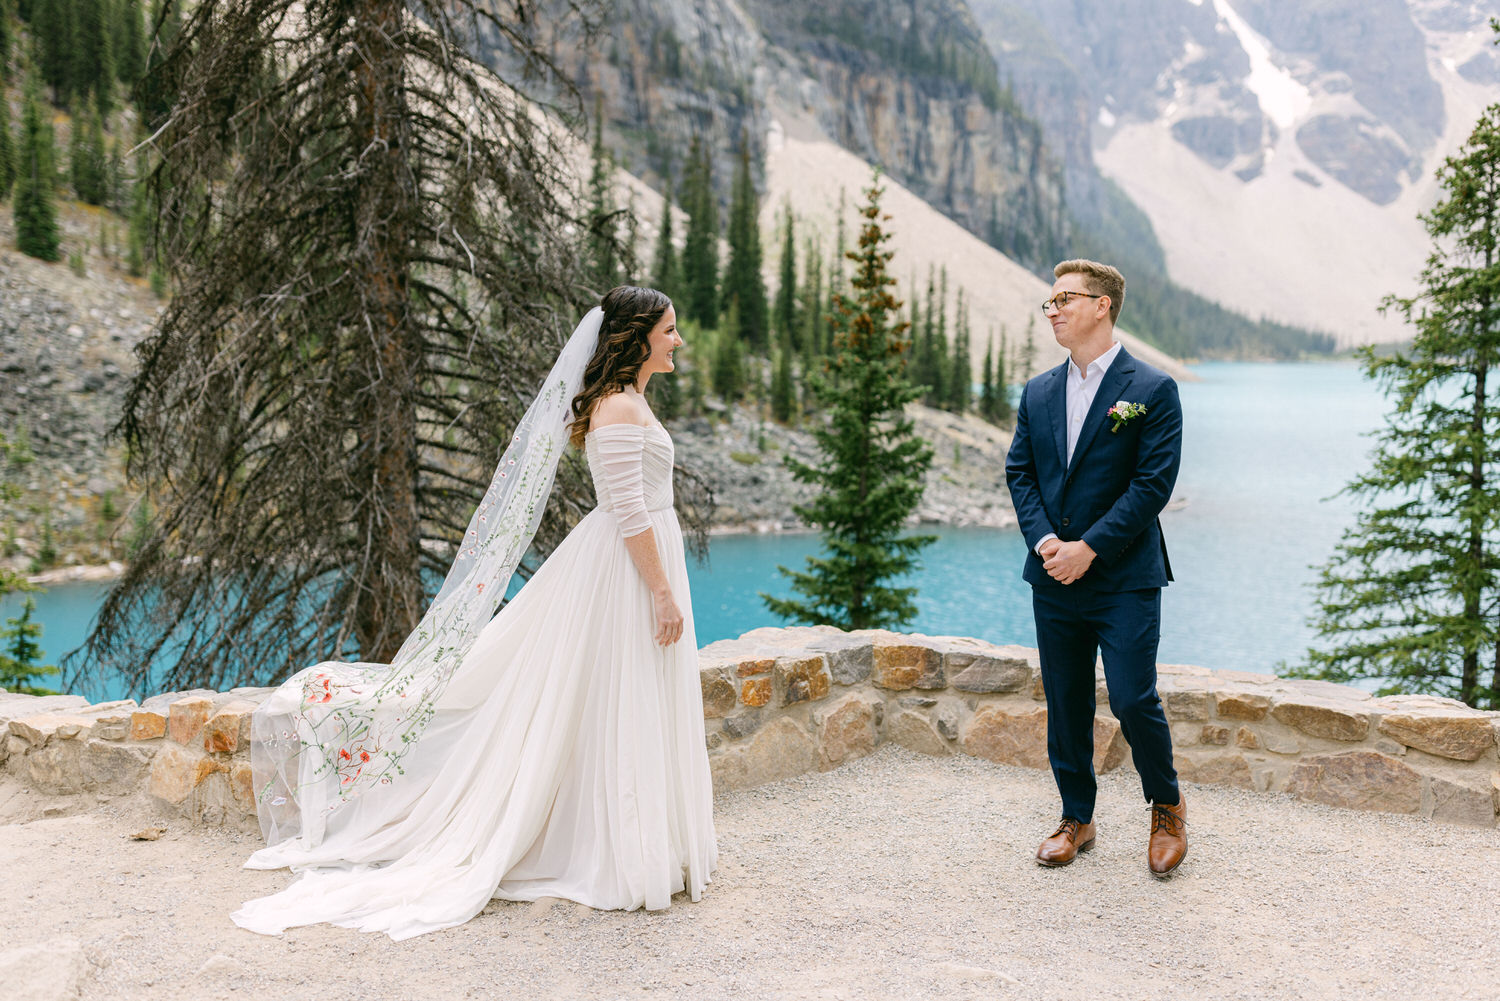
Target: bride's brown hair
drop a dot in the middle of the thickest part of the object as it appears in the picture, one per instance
(630, 314)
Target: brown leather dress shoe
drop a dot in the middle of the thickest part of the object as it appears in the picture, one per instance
(1168, 837)
(1066, 842)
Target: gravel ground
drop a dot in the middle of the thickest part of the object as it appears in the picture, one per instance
(898, 876)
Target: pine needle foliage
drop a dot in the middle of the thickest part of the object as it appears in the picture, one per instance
(376, 251)
(21, 667)
(1411, 597)
(33, 203)
(870, 473)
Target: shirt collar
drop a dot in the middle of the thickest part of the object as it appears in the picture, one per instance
(1099, 365)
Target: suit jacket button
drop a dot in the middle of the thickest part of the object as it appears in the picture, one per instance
(1066, 523)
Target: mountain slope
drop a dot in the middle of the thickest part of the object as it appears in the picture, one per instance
(1281, 149)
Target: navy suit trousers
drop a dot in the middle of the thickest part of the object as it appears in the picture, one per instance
(1073, 626)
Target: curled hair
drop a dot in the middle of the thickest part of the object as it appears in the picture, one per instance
(630, 314)
(1099, 279)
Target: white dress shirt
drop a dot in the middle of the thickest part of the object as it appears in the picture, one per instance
(1083, 386)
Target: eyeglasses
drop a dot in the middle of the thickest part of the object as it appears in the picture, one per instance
(1063, 298)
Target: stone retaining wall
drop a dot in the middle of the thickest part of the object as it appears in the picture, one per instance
(781, 702)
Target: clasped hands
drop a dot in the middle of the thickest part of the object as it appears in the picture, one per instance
(1065, 562)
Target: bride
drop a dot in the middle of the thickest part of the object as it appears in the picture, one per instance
(555, 749)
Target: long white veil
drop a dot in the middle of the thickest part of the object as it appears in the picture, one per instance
(335, 729)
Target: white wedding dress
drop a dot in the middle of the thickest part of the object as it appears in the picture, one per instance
(565, 759)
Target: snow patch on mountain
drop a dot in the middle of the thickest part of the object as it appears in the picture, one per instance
(1282, 98)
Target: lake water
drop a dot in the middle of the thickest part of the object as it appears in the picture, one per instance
(1265, 448)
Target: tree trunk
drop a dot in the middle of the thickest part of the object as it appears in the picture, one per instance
(390, 598)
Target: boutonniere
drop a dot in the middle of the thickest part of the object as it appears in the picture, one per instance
(1123, 412)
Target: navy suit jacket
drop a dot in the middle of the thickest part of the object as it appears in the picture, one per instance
(1117, 484)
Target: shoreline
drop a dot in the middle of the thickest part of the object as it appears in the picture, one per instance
(98, 573)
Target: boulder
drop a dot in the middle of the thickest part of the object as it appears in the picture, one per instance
(984, 675)
(914, 731)
(1110, 748)
(147, 724)
(176, 771)
(850, 658)
(1011, 738)
(846, 730)
(1463, 802)
(802, 679)
(900, 666)
(1186, 704)
(37, 731)
(756, 691)
(718, 692)
(1462, 738)
(1358, 780)
(114, 768)
(781, 750)
(1241, 705)
(1214, 769)
(186, 717)
(228, 729)
(1322, 718)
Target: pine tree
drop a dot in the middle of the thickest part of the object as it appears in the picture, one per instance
(603, 240)
(1027, 360)
(667, 393)
(665, 274)
(115, 185)
(370, 242)
(1004, 412)
(93, 53)
(788, 327)
(870, 476)
(942, 362)
(1411, 597)
(7, 152)
(729, 361)
(32, 200)
(961, 385)
(987, 384)
(86, 160)
(20, 660)
(130, 42)
(6, 38)
(52, 32)
(700, 252)
(811, 310)
(743, 283)
(782, 395)
(139, 223)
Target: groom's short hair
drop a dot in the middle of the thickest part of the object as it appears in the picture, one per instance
(1099, 279)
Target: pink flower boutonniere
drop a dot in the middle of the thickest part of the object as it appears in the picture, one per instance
(1122, 413)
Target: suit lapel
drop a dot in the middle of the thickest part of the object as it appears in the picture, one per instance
(1116, 380)
(1056, 396)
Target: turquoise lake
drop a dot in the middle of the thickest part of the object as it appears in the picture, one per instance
(1266, 446)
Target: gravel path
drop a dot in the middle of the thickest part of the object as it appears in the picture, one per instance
(897, 876)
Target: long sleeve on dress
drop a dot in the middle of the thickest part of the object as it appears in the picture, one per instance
(621, 448)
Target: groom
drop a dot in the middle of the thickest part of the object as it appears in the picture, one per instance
(1097, 446)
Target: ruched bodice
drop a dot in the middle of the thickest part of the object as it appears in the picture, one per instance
(632, 470)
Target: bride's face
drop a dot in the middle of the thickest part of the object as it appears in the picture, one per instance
(664, 340)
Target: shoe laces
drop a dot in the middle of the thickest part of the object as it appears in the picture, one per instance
(1163, 819)
(1069, 826)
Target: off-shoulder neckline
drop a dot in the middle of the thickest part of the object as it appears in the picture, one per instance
(626, 424)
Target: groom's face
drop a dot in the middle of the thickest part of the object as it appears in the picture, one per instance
(1078, 320)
